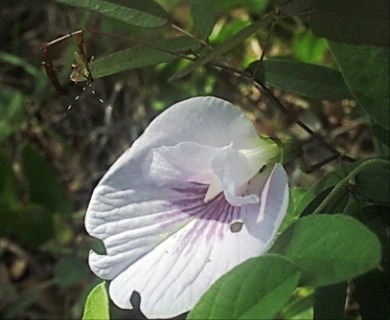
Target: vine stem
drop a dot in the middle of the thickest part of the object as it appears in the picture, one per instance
(336, 190)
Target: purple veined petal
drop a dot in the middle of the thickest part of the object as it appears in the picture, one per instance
(178, 245)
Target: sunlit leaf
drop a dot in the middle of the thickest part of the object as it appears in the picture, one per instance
(256, 289)
(202, 12)
(97, 305)
(145, 13)
(42, 183)
(329, 248)
(352, 21)
(309, 48)
(366, 72)
(305, 79)
(142, 55)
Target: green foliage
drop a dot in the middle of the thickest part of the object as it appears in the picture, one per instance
(143, 55)
(308, 50)
(70, 271)
(305, 79)
(42, 184)
(365, 70)
(203, 14)
(257, 289)
(352, 21)
(97, 306)
(350, 251)
(146, 13)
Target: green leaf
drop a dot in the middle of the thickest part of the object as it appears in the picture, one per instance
(143, 55)
(352, 21)
(329, 301)
(31, 225)
(202, 12)
(8, 185)
(97, 305)
(373, 184)
(70, 271)
(366, 72)
(329, 248)
(305, 79)
(145, 13)
(42, 183)
(235, 40)
(256, 289)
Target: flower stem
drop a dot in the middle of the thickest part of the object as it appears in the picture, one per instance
(336, 190)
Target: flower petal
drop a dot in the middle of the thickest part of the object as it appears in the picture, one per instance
(171, 246)
(186, 161)
(207, 121)
(234, 172)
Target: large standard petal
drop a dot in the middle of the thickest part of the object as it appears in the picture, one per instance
(208, 121)
(171, 246)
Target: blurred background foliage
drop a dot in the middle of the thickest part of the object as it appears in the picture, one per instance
(51, 157)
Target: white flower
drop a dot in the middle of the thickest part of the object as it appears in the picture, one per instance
(184, 205)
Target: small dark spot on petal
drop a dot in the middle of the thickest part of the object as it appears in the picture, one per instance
(262, 168)
(236, 226)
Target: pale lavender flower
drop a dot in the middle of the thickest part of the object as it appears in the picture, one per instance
(197, 194)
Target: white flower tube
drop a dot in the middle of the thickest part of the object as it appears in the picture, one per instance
(189, 201)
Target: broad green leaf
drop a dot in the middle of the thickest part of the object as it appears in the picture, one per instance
(145, 13)
(329, 248)
(42, 184)
(202, 12)
(295, 7)
(97, 305)
(366, 72)
(352, 21)
(305, 79)
(143, 55)
(256, 289)
(31, 225)
(70, 271)
(329, 301)
(222, 49)
(373, 184)
(8, 185)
